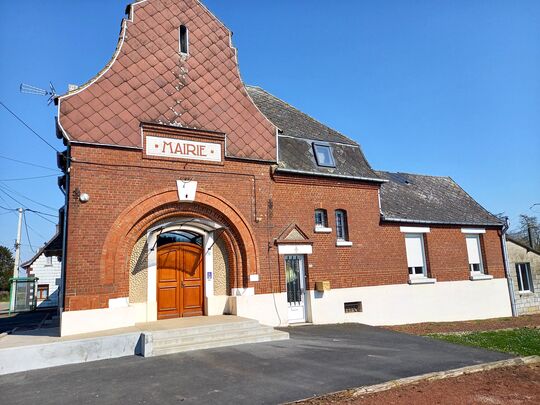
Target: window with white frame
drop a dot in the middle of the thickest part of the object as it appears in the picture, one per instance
(524, 277)
(48, 260)
(474, 253)
(416, 258)
(321, 219)
(342, 231)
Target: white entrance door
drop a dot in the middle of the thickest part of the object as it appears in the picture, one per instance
(296, 287)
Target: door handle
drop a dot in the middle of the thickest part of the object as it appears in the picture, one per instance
(182, 284)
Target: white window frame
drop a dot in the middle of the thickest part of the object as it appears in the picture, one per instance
(422, 247)
(345, 227)
(528, 273)
(321, 228)
(476, 237)
(48, 261)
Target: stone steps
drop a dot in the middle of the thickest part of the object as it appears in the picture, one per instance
(164, 342)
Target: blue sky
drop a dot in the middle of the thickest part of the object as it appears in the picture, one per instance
(445, 88)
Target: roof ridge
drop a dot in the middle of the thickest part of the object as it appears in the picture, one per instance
(416, 174)
(522, 244)
(303, 113)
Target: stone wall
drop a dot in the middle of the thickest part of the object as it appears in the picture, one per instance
(221, 269)
(138, 271)
(526, 302)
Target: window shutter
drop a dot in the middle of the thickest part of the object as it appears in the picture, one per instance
(472, 249)
(415, 256)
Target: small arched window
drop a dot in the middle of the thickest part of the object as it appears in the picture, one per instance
(321, 219)
(184, 40)
(342, 229)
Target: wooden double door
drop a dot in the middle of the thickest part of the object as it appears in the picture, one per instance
(180, 280)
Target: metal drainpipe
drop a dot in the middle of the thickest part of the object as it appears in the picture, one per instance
(61, 300)
(507, 269)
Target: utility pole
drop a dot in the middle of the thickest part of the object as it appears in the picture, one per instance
(17, 259)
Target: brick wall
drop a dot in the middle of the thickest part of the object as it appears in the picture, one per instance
(117, 178)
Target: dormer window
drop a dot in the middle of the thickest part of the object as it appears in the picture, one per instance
(323, 155)
(184, 39)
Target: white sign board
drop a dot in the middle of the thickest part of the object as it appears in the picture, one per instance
(183, 149)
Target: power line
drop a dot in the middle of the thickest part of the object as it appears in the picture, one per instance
(27, 233)
(28, 126)
(42, 213)
(23, 205)
(25, 197)
(28, 163)
(37, 233)
(30, 178)
(29, 210)
(11, 209)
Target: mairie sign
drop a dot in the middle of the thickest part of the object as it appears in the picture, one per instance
(183, 149)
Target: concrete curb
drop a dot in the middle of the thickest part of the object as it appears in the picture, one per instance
(467, 332)
(438, 375)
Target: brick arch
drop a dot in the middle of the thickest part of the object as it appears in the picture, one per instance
(139, 216)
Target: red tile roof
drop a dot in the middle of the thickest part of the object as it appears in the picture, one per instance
(149, 80)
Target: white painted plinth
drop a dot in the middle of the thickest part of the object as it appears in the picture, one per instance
(404, 303)
(268, 309)
(93, 320)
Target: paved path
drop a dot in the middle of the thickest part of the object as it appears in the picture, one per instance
(316, 360)
(25, 320)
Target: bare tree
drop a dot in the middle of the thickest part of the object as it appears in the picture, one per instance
(528, 231)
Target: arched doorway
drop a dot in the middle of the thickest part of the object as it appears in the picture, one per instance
(180, 274)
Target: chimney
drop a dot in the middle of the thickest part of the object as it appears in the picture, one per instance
(530, 235)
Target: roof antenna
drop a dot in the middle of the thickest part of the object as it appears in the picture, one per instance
(28, 89)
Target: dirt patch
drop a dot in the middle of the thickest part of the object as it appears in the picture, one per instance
(468, 326)
(508, 386)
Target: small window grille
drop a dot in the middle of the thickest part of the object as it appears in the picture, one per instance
(351, 307)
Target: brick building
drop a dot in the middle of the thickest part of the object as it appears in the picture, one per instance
(189, 193)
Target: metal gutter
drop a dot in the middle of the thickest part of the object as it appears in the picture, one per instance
(339, 176)
(420, 221)
(507, 270)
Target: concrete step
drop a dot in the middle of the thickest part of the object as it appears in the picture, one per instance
(256, 338)
(157, 343)
(211, 336)
(204, 329)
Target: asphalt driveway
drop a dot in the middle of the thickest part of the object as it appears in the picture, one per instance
(316, 360)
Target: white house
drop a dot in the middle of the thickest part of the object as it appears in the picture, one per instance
(46, 266)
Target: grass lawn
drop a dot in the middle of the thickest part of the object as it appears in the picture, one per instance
(522, 341)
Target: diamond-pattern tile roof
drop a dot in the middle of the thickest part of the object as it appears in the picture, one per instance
(150, 81)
